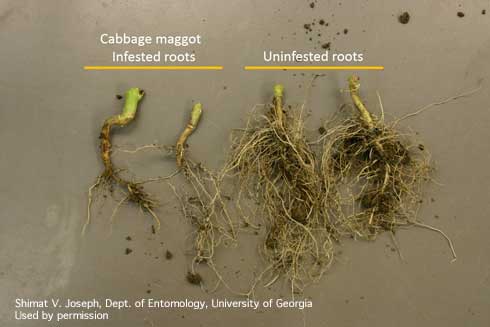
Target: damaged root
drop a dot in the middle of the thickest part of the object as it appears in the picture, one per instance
(204, 205)
(134, 191)
(193, 122)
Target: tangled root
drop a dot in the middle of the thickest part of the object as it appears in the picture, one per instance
(380, 167)
(383, 171)
(276, 170)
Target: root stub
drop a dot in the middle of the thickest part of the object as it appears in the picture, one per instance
(191, 126)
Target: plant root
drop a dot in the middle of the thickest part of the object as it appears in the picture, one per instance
(374, 174)
(276, 171)
(181, 142)
(134, 191)
(203, 204)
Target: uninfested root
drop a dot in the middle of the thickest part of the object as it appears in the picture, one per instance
(374, 174)
(276, 169)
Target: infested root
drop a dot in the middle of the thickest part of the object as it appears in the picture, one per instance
(111, 177)
(193, 122)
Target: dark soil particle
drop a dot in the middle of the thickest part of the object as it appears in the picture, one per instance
(483, 12)
(460, 14)
(421, 147)
(322, 130)
(168, 255)
(119, 97)
(128, 251)
(153, 231)
(321, 22)
(312, 5)
(148, 291)
(194, 279)
(346, 31)
(128, 238)
(404, 18)
(326, 46)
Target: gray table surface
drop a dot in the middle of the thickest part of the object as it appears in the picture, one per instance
(51, 111)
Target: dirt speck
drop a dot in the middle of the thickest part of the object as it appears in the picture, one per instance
(119, 97)
(326, 46)
(194, 278)
(322, 130)
(153, 231)
(483, 12)
(460, 14)
(168, 255)
(346, 31)
(128, 238)
(404, 18)
(312, 5)
(128, 251)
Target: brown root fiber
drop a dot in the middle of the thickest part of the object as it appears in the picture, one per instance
(276, 171)
(204, 205)
(134, 191)
(382, 170)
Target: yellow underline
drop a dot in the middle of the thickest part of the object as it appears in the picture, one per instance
(153, 67)
(314, 67)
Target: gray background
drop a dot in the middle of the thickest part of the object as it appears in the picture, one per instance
(51, 111)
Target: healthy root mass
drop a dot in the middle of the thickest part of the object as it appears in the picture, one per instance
(373, 173)
(276, 170)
